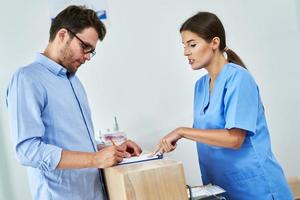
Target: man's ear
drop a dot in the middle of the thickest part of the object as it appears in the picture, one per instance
(62, 35)
(215, 43)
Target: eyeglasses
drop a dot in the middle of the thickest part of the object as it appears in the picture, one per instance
(87, 48)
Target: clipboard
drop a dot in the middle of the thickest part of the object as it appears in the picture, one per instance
(141, 158)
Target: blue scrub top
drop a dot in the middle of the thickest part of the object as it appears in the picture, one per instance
(251, 172)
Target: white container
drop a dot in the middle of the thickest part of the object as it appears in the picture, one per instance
(113, 137)
(118, 137)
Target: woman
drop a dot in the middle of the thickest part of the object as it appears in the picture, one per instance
(229, 127)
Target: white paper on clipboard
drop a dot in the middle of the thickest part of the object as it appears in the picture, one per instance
(141, 158)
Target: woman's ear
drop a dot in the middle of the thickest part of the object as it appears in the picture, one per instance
(215, 43)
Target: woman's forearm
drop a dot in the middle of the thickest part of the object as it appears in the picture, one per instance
(229, 138)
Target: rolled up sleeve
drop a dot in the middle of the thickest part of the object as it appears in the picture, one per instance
(26, 100)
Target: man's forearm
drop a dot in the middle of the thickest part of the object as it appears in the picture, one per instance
(76, 160)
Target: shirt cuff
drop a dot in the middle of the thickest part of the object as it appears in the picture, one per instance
(51, 158)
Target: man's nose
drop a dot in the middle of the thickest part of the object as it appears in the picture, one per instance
(87, 56)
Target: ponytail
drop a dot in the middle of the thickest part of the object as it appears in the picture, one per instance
(233, 57)
(207, 26)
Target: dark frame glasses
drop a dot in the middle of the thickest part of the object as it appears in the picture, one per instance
(85, 47)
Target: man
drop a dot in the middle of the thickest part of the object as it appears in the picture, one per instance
(50, 116)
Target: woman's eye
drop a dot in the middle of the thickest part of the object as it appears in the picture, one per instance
(192, 45)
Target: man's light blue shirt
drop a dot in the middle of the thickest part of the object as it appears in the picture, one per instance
(49, 112)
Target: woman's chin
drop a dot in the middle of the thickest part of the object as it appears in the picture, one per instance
(196, 67)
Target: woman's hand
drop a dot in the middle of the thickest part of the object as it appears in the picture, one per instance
(168, 143)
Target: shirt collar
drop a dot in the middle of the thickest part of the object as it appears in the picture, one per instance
(51, 65)
(223, 70)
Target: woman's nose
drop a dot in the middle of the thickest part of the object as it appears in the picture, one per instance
(187, 52)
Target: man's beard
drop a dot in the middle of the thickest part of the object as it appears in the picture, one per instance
(67, 56)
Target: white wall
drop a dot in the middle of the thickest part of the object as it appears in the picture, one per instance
(24, 31)
(141, 75)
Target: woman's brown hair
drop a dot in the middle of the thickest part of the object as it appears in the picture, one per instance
(207, 26)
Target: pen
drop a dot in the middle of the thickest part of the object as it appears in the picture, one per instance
(113, 142)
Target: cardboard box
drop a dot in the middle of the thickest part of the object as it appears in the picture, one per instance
(158, 179)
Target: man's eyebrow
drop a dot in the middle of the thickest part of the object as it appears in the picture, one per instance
(89, 45)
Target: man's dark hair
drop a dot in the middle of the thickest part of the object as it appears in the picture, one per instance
(76, 19)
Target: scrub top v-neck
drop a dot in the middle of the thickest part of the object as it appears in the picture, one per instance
(251, 172)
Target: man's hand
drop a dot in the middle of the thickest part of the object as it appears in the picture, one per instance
(109, 156)
(131, 147)
(105, 157)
